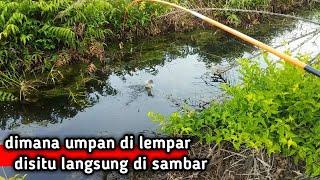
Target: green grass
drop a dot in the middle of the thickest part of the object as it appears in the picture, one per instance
(276, 109)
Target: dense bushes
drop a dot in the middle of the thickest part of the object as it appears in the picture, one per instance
(41, 36)
(31, 31)
(273, 108)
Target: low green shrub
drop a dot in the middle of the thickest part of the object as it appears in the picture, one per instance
(247, 4)
(276, 108)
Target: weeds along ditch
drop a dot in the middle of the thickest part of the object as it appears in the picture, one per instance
(45, 45)
(129, 68)
(39, 39)
(274, 110)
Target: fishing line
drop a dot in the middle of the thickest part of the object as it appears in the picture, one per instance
(248, 11)
(244, 37)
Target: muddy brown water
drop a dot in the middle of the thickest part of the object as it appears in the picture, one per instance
(180, 66)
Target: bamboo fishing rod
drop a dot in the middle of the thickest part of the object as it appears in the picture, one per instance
(244, 37)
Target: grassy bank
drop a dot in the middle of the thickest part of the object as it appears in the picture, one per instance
(39, 39)
(275, 110)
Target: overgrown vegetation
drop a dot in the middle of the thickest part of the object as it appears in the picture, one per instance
(39, 38)
(274, 108)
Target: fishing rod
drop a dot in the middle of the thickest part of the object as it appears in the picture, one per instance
(244, 37)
